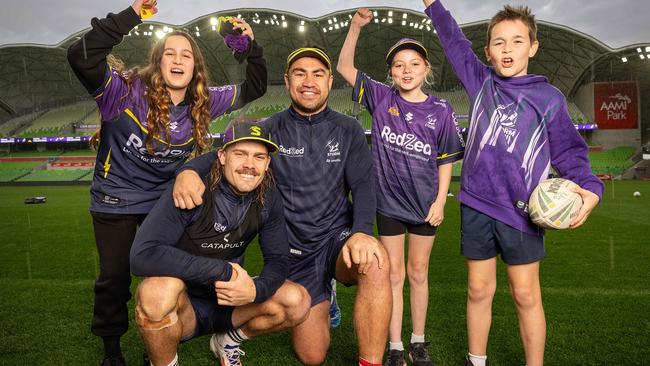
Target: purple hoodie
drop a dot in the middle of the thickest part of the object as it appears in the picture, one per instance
(519, 128)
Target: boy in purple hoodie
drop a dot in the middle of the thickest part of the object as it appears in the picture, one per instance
(519, 129)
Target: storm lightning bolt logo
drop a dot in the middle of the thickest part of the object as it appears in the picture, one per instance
(107, 165)
(503, 122)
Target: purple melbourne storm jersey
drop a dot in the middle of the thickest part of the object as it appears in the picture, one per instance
(127, 178)
(409, 141)
(519, 128)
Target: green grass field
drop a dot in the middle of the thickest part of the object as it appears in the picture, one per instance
(595, 286)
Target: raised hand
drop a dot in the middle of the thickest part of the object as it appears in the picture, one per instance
(145, 8)
(245, 27)
(362, 17)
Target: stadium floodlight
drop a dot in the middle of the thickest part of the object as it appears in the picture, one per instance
(641, 56)
(424, 20)
(151, 27)
(137, 33)
(214, 27)
(349, 16)
(198, 34)
(275, 16)
(404, 16)
(403, 22)
(282, 17)
(196, 27)
(376, 20)
(330, 28)
(266, 22)
(375, 14)
(160, 34)
(647, 49)
(624, 59)
(301, 28)
(284, 24)
(410, 24)
(390, 13)
(329, 21)
(324, 30)
(257, 15)
(335, 20)
(428, 29)
(239, 16)
(390, 20)
(336, 26)
(383, 20)
(302, 22)
(638, 50)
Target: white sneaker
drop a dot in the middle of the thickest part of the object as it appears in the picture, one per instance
(227, 354)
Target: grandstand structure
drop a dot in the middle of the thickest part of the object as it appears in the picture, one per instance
(41, 97)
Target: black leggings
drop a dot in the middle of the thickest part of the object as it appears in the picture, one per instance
(114, 235)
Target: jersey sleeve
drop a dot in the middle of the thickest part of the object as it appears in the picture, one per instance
(451, 146)
(228, 98)
(87, 58)
(360, 178)
(368, 91)
(458, 49)
(570, 153)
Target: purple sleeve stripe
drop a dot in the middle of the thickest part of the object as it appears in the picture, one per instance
(234, 95)
(110, 77)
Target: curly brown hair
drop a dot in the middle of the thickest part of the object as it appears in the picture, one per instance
(158, 97)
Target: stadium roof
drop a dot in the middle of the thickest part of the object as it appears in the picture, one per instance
(34, 76)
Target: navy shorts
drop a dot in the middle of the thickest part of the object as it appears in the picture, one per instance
(482, 237)
(210, 316)
(388, 226)
(314, 271)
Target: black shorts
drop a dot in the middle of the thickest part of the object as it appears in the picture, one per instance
(388, 226)
(210, 316)
(482, 237)
(315, 270)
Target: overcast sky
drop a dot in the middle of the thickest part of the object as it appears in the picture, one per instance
(615, 23)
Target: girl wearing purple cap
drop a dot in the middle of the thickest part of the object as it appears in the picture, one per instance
(415, 140)
(153, 119)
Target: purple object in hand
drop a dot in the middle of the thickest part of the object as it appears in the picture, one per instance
(237, 43)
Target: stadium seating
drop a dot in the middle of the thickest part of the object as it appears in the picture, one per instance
(54, 175)
(613, 162)
(53, 121)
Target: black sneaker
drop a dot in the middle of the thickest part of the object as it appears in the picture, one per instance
(145, 359)
(113, 361)
(419, 354)
(467, 362)
(395, 358)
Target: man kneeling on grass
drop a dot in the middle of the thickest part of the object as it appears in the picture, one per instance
(195, 284)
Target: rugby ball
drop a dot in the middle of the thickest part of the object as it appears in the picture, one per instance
(553, 204)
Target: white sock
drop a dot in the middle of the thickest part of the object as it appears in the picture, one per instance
(399, 346)
(235, 337)
(477, 360)
(173, 363)
(417, 338)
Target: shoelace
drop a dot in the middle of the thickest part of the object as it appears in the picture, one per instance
(232, 354)
(395, 358)
(419, 351)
